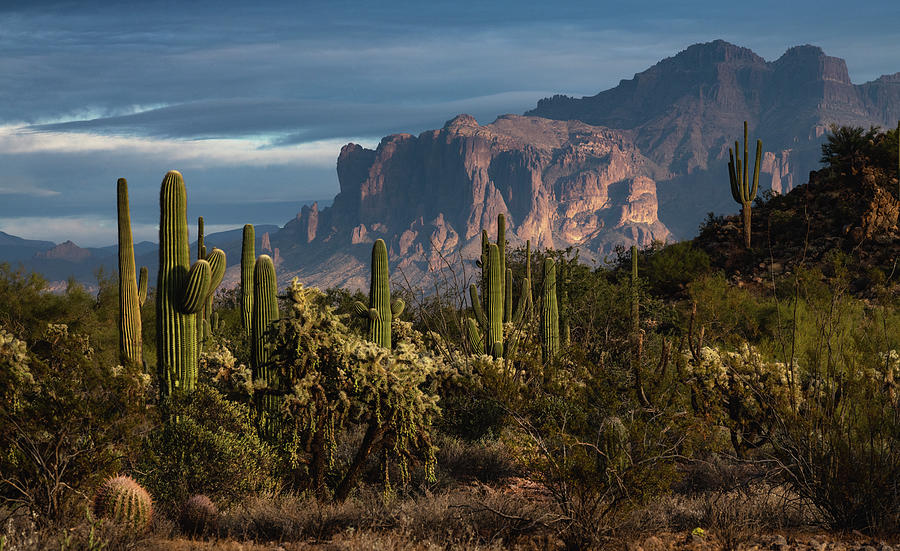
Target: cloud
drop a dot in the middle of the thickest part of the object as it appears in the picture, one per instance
(19, 139)
(294, 121)
(29, 191)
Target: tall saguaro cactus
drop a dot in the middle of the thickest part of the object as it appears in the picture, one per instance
(743, 188)
(180, 291)
(380, 310)
(265, 312)
(635, 304)
(131, 292)
(549, 313)
(248, 258)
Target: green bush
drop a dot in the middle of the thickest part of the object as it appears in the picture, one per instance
(67, 422)
(668, 269)
(205, 445)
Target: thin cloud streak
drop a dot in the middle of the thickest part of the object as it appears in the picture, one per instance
(193, 153)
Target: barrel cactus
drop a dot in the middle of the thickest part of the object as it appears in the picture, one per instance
(180, 292)
(380, 311)
(198, 515)
(122, 500)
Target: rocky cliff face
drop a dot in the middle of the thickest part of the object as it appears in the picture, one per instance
(560, 183)
(686, 110)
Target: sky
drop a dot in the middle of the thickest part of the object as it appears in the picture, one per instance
(252, 101)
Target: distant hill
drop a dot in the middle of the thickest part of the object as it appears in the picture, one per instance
(57, 263)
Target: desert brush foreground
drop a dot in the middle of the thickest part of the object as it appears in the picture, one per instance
(739, 390)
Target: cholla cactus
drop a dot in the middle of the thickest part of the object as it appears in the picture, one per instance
(740, 388)
(14, 373)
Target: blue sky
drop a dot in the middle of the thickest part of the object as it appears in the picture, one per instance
(253, 100)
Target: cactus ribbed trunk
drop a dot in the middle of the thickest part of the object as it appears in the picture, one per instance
(380, 296)
(381, 311)
(529, 300)
(635, 305)
(180, 291)
(501, 246)
(248, 258)
(549, 313)
(745, 215)
(130, 341)
(495, 303)
(265, 312)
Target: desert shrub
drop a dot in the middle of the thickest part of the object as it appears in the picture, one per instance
(839, 445)
(668, 269)
(205, 444)
(68, 423)
(336, 382)
(471, 416)
(730, 314)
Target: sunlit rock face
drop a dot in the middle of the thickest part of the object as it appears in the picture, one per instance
(559, 183)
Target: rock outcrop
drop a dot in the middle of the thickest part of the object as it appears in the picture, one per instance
(560, 184)
(685, 111)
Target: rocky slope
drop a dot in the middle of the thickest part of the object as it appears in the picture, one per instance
(848, 218)
(685, 111)
(560, 183)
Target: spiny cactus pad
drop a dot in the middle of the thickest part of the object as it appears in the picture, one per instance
(123, 500)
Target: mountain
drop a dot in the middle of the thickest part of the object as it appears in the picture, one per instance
(560, 183)
(58, 263)
(13, 249)
(642, 161)
(685, 111)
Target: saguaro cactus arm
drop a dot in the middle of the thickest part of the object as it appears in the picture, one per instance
(142, 286)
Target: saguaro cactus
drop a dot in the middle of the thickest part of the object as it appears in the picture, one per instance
(490, 323)
(380, 311)
(248, 258)
(131, 293)
(635, 304)
(743, 189)
(549, 313)
(265, 312)
(526, 287)
(180, 292)
(201, 245)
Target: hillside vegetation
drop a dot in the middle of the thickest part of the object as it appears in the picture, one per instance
(696, 395)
